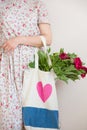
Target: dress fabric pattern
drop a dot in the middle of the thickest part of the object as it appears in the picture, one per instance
(17, 18)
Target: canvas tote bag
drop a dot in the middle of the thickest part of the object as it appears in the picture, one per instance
(40, 105)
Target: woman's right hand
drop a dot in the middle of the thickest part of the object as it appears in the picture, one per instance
(10, 44)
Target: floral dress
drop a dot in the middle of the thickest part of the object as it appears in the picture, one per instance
(17, 18)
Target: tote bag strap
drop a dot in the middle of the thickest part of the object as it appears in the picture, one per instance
(43, 39)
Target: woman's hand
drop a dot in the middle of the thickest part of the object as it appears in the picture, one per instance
(10, 44)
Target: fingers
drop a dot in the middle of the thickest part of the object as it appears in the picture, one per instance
(5, 44)
(7, 47)
(0, 57)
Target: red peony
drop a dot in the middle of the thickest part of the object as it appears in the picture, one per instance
(83, 75)
(77, 63)
(63, 56)
(85, 69)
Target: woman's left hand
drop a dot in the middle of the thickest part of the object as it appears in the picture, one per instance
(10, 44)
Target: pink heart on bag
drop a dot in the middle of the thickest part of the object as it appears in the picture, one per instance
(44, 91)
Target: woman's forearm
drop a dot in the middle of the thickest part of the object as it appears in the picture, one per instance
(45, 30)
(31, 40)
(34, 41)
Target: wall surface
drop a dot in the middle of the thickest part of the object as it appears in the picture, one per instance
(69, 27)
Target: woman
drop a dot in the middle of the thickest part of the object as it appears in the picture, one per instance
(21, 24)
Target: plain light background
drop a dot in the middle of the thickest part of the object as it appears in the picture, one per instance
(69, 28)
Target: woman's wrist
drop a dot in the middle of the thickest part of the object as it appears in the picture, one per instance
(21, 40)
(29, 40)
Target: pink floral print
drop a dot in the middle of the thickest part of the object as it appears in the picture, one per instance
(17, 18)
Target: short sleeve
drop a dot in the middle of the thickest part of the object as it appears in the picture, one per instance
(42, 13)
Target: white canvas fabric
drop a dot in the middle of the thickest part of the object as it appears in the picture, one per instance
(40, 105)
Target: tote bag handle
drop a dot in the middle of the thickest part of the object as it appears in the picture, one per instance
(43, 39)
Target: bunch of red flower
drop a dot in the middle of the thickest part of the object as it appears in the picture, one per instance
(77, 63)
(66, 66)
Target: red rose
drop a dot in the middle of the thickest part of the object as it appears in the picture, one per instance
(77, 63)
(63, 56)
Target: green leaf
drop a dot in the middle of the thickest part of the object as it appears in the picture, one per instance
(72, 55)
(49, 50)
(61, 50)
(32, 64)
